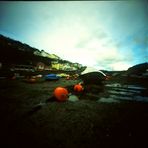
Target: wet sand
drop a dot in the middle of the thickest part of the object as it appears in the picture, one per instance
(28, 120)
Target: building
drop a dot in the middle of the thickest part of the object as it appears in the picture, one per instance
(40, 66)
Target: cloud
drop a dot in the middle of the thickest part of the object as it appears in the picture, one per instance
(93, 53)
(99, 34)
(90, 47)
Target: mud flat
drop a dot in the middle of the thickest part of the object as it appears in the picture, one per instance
(29, 119)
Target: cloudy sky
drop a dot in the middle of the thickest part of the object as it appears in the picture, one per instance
(110, 35)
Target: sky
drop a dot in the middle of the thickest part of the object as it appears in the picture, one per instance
(110, 35)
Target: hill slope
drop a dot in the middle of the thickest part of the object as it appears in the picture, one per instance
(13, 52)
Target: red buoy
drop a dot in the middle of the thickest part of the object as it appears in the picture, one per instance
(61, 94)
(78, 88)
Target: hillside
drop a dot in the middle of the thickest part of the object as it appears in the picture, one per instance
(138, 69)
(14, 53)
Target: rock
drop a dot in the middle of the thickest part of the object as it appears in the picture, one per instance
(73, 98)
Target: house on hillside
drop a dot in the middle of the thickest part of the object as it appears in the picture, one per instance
(38, 53)
(53, 56)
(47, 67)
(66, 66)
(62, 66)
(20, 67)
(40, 66)
(44, 54)
(55, 65)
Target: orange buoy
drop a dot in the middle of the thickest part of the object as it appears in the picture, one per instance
(78, 88)
(61, 94)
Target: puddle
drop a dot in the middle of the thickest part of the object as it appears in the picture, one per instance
(121, 92)
(140, 98)
(108, 100)
(121, 97)
(115, 93)
(134, 98)
(135, 87)
(117, 85)
(114, 85)
(124, 92)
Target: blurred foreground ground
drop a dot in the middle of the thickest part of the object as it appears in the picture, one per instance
(85, 123)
